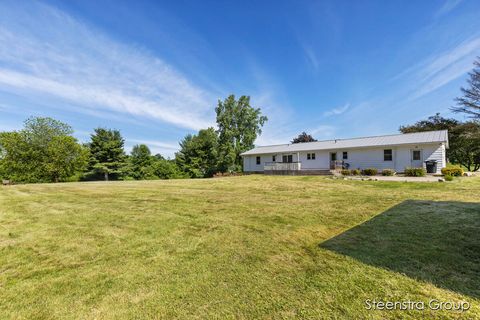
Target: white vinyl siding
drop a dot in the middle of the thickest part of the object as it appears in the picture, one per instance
(320, 162)
(359, 158)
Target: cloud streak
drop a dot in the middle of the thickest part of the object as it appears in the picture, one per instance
(448, 6)
(49, 53)
(337, 111)
(439, 70)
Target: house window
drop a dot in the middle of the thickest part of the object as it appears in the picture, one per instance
(416, 155)
(274, 158)
(310, 156)
(258, 160)
(345, 155)
(287, 158)
(387, 155)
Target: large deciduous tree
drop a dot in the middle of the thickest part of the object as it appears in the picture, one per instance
(239, 124)
(469, 103)
(465, 145)
(198, 155)
(432, 123)
(464, 138)
(107, 156)
(44, 151)
(303, 137)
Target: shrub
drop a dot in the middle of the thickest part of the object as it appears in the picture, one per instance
(345, 172)
(415, 172)
(370, 172)
(388, 172)
(448, 178)
(452, 171)
(355, 172)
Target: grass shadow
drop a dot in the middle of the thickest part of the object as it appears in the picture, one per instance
(438, 242)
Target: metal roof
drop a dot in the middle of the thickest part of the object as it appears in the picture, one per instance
(376, 141)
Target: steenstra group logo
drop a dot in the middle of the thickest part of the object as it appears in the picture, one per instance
(433, 304)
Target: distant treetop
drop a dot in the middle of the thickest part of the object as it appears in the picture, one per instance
(303, 137)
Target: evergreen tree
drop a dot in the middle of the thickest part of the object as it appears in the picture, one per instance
(198, 155)
(107, 156)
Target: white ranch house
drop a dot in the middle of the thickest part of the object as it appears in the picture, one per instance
(397, 152)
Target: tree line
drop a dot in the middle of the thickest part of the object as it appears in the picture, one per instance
(46, 151)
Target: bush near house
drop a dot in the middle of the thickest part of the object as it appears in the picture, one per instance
(448, 178)
(452, 171)
(370, 172)
(355, 172)
(388, 172)
(415, 172)
(346, 172)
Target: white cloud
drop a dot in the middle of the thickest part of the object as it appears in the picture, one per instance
(323, 132)
(337, 111)
(166, 149)
(441, 69)
(448, 6)
(155, 143)
(45, 52)
(311, 57)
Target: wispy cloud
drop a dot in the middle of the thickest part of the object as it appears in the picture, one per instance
(44, 51)
(447, 6)
(155, 143)
(441, 69)
(323, 132)
(337, 111)
(167, 149)
(311, 57)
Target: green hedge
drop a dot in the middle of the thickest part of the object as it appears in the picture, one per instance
(415, 172)
(369, 172)
(345, 172)
(388, 172)
(452, 171)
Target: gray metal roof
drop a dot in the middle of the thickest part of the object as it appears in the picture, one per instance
(376, 141)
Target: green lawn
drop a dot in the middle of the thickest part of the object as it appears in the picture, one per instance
(242, 247)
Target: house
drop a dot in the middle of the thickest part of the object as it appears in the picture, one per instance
(397, 152)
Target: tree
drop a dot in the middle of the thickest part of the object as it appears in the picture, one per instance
(470, 102)
(303, 137)
(65, 158)
(167, 169)
(198, 155)
(44, 151)
(107, 156)
(433, 123)
(464, 138)
(141, 160)
(239, 124)
(465, 145)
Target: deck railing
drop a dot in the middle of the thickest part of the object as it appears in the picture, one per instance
(283, 166)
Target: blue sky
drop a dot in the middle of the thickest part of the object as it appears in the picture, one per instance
(155, 70)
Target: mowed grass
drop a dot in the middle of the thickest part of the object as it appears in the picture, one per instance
(242, 247)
